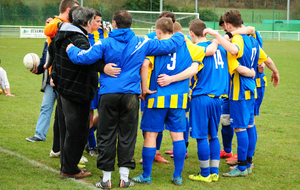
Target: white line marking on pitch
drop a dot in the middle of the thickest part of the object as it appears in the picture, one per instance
(32, 162)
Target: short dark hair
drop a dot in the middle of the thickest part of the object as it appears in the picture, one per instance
(82, 15)
(221, 21)
(97, 13)
(165, 25)
(197, 26)
(123, 19)
(233, 17)
(64, 4)
(168, 14)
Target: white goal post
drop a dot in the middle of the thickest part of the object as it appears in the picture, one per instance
(157, 12)
(147, 19)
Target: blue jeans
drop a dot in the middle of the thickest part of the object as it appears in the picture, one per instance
(43, 122)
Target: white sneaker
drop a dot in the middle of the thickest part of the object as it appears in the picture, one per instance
(83, 159)
(54, 154)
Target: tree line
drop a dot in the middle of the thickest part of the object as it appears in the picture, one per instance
(20, 12)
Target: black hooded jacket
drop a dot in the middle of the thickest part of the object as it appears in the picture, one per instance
(75, 82)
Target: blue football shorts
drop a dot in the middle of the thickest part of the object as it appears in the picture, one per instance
(241, 113)
(205, 116)
(142, 105)
(188, 105)
(260, 95)
(153, 119)
(225, 106)
(95, 101)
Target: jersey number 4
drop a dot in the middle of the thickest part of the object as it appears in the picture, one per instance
(218, 59)
(173, 60)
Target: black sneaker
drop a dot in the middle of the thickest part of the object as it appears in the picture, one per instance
(103, 185)
(33, 139)
(124, 184)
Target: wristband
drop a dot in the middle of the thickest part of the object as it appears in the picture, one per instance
(229, 34)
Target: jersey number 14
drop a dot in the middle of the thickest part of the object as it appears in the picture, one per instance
(218, 59)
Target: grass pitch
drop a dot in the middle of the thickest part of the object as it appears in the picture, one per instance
(27, 165)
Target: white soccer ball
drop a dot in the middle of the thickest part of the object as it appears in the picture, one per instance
(31, 61)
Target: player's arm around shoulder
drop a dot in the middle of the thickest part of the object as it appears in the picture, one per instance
(231, 48)
(244, 30)
(212, 48)
(85, 56)
(162, 47)
(238, 42)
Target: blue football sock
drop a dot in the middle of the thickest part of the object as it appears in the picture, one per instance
(242, 143)
(158, 140)
(203, 156)
(148, 155)
(215, 148)
(252, 143)
(179, 151)
(91, 138)
(186, 132)
(227, 135)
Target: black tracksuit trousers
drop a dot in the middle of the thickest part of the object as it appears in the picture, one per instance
(117, 126)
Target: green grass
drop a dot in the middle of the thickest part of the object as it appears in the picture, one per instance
(276, 158)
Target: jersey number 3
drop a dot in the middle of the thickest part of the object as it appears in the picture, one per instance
(172, 66)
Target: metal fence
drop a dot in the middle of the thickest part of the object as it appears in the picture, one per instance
(10, 31)
(266, 15)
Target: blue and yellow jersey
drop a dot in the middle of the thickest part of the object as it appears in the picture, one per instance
(150, 68)
(96, 35)
(151, 35)
(188, 38)
(261, 79)
(243, 88)
(258, 37)
(212, 78)
(174, 95)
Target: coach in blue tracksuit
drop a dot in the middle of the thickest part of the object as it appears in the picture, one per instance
(118, 106)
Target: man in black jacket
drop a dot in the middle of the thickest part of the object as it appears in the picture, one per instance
(76, 86)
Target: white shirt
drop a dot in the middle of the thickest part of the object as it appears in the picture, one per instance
(3, 79)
